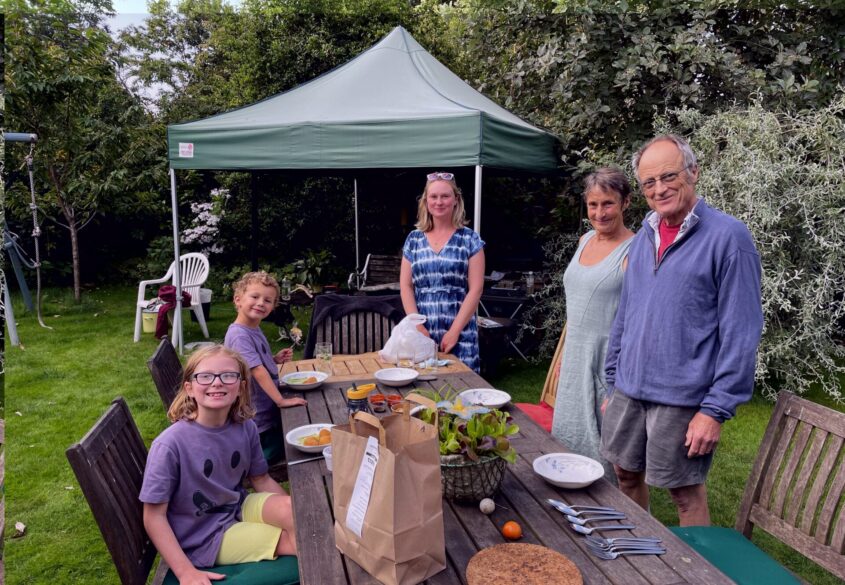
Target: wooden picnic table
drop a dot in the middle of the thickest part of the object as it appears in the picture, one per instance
(467, 530)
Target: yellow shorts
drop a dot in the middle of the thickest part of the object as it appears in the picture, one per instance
(250, 540)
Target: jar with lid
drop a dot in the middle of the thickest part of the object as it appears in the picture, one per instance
(356, 398)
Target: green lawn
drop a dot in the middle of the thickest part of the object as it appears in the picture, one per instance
(60, 381)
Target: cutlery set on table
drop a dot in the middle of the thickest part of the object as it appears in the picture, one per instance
(581, 519)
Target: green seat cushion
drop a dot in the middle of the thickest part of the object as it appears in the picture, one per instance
(734, 555)
(273, 445)
(282, 571)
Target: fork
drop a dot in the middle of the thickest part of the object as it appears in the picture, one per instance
(621, 547)
(583, 521)
(601, 541)
(607, 556)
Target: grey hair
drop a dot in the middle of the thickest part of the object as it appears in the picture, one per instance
(680, 142)
(608, 179)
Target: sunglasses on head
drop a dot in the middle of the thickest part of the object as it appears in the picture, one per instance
(440, 176)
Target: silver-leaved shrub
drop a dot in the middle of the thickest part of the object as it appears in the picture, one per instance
(783, 175)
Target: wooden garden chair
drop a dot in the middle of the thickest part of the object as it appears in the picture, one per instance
(380, 273)
(543, 412)
(166, 370)
(353, 324)
(109, 465)
(794, 493)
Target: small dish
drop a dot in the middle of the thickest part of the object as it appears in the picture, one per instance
(485, 397)
(396, 377)
(568, 470)
(304, 380)
(295, 436)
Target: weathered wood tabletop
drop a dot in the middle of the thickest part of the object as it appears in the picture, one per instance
(467, 530)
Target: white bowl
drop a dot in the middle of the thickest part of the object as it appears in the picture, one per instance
(485, 397)
(396, 376)
(568, 470)
(296, 380)
(294, 437)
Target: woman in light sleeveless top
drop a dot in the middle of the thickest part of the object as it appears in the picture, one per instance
(592, 284)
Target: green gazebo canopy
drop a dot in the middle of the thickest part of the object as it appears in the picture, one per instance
(392, 106)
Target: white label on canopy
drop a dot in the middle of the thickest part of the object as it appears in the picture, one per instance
(363, 485)
(186, 150)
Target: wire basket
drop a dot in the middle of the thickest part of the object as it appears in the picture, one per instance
(464, 479)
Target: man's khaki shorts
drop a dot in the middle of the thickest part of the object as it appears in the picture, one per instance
(644, 436)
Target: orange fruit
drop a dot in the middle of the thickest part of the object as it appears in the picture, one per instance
(311, 441)
(325, 433)
(325, 439)
(512, 531)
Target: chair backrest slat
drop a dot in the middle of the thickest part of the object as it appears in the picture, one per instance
(166, 370)
(828, 507)
(808, 469)
(779, 453)
(109, 464)
(788, 474)
(795, 490)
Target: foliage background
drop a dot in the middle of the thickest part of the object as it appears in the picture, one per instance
(602, 75)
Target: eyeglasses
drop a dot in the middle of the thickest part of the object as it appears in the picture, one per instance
(440, 176)
(665, 178)
(207, 378)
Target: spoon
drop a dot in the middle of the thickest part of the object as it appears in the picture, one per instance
(589, 530)
(576, 510)
(584, 521)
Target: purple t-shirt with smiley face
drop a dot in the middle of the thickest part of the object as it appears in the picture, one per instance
(253, 346)
(199, 472)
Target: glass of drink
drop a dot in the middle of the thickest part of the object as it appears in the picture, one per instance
(323, 354)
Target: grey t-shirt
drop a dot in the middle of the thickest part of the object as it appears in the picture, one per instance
(199, 471)
(255, 349)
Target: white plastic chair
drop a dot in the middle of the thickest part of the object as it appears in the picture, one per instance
(194, 268)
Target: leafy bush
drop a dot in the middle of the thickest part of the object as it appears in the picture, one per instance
(783, 175)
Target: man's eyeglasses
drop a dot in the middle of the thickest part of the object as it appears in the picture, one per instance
(207, 378)
(440, 176)
(665, 178)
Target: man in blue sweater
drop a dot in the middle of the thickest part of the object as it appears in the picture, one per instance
(682, 349)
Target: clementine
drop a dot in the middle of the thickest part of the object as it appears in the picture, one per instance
(511, 530)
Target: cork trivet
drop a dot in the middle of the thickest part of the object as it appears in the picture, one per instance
(526, 564)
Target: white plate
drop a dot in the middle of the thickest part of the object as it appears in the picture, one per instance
(568, 470)
(295, 379)
(295, 436)
(485, 397)
(396, 376)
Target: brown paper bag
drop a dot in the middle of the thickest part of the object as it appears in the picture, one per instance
(402, 540)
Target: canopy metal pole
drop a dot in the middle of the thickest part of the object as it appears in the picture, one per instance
(476, 212)
(357, 253)
(177, 267)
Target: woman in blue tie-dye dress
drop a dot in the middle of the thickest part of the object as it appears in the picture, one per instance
(442, 273)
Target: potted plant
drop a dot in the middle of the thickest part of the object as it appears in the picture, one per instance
(474, 445)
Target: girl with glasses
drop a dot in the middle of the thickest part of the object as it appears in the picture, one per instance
(196, 511)
(442, 274)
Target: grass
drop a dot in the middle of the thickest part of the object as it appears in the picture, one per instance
(60, 381)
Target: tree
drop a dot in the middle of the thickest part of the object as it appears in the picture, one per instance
(62, 85)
